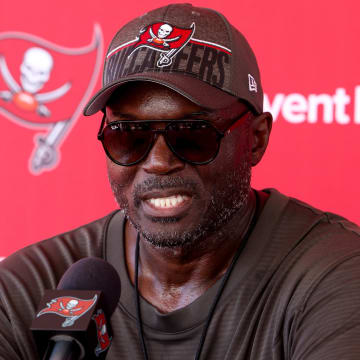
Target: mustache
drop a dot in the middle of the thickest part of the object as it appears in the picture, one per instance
(163, 183)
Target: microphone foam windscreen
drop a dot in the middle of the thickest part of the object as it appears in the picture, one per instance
(93, 273)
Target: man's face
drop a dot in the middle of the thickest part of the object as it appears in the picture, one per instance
(173, 203)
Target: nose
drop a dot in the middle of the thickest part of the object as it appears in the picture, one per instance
(161, 160)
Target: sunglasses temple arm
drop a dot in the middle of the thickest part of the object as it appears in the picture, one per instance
(101, 126)
(237, 123)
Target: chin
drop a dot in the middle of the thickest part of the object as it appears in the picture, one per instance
(168, 232)
(167, 239)
(200, 222)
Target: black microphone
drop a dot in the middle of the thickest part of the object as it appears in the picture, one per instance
(72, 321)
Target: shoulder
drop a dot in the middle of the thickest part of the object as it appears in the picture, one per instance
(301, 234)
(325, 302)
(300, 222)
(327, 254)
(316, 281)
(308, 246)
(324, 235)
(27, 273)
(59, 251)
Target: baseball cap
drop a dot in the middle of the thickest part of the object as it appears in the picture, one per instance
(194, 51)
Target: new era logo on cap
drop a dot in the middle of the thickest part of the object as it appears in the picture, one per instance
(252, 83)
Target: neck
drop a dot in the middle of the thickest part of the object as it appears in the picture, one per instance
(172, 278)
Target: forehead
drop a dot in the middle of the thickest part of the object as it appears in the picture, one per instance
(143, 99)
(148, 96)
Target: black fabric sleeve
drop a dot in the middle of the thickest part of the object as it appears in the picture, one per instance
(327, 326)
(8, 347)
(25, 275)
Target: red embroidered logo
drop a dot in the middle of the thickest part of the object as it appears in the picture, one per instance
(166, 38)
(104, 340)
(68, 307)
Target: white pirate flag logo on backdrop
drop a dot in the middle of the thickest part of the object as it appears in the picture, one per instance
(45, 86)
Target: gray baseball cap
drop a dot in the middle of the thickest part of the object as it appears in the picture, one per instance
(194, 51)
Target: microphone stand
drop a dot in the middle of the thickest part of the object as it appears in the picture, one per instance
(63, 349)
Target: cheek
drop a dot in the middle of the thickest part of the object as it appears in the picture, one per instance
(122, 176)
(232, 155)
(241, 155)
(234, 159)
(237, 149)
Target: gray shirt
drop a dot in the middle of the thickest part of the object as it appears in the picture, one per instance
(293, 294)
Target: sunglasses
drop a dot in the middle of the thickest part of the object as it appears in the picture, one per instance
(196, 142)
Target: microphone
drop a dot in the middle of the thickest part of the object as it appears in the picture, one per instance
(71, 321)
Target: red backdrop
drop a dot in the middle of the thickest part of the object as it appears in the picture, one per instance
(309, 58)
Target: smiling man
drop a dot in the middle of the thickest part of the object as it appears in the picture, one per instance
(210, 268)
(188, 182)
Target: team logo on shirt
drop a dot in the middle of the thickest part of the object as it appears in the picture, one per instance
(69, 307)
(104, 340)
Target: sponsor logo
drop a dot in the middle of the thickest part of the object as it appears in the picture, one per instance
(69, 307)
(341, 107)
(104, 340)
(45, 86)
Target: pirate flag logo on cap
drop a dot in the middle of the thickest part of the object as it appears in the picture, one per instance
(45, 86)
(166, 38)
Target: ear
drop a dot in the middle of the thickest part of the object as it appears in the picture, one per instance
(260, 128)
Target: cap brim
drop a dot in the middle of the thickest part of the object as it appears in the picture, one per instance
(192, 88)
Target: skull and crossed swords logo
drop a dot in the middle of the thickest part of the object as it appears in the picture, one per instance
(30, 98)
(169, 40)
(35, 72)
(164, 31)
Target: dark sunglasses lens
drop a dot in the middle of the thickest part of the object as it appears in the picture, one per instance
(126, 144)
(196, 142)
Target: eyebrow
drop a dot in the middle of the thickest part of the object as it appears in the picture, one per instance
(204, 112)
(120, 115)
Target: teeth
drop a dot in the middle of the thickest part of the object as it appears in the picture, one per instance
(168, 202)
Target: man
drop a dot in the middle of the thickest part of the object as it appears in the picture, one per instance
(224, 271)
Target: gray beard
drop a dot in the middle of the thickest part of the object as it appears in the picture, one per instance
(230, 194)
